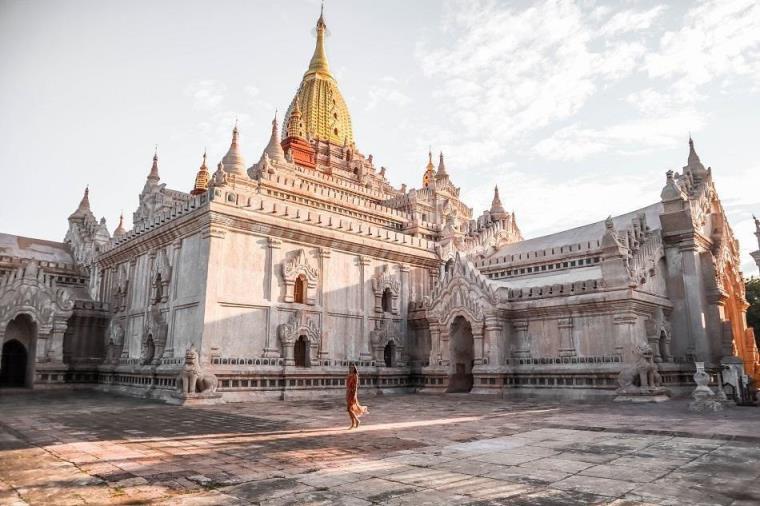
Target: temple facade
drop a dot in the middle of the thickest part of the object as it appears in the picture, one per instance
(273, 277)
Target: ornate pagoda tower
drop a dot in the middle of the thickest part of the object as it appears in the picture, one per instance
(317, 114)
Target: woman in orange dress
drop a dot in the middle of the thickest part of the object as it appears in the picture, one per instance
(355, 410)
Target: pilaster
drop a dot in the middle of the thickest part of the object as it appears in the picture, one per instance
(625, 335)
(324, 263)
(363, 262)
(270, 349)
(493, 339)
(566, 343)
(521, 348)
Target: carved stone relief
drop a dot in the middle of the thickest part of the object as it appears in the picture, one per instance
(299, 267)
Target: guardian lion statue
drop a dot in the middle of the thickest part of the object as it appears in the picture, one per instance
(192, 379)
(642, 375)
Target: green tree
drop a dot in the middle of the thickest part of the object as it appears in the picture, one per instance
(752, 286)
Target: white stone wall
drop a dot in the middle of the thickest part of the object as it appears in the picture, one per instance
(243, 314)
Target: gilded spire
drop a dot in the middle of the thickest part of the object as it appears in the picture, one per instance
(295, 125)
(318, 63)
(153, 176)
(429, 175)
(233, 161)
(201, 179)
(324, 114)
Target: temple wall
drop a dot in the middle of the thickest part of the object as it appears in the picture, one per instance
(250, 296)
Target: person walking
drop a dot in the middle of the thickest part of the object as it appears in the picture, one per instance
(355, 410)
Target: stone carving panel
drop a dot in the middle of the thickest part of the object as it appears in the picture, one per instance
(299, 324)
(386, 281)
(299, 267)
(385, 332)
(29, 290)
(154, 337)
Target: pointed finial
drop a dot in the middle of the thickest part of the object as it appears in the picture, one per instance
(318, 61)
(153, 175)
(441, 167)
(497, 209)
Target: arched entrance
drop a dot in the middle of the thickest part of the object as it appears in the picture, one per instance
(16, 365)
(389, 354)
(301, 352)
(462, 348)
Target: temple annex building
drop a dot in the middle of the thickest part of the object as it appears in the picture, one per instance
(267, 280)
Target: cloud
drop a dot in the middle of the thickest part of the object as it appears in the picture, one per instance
(206, 94)
(719, 40)
(506, 73)
(638, 136)
(537, 199)
(387, 91)
(631, 20)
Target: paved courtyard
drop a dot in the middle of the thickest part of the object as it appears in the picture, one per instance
(89, 448)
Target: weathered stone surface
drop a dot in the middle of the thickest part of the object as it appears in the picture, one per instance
(85, 448)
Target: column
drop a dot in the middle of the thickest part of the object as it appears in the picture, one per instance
(625, 324)
(566, 341)
(272, 244)
(363, 263)
(445, 352)
(693, 306)
(176, 250)
(493, 344)
(404, 312)
(324, 262)
(271, 349)
(477, 343)
(214, 235)
(521, 349)
(435, 344)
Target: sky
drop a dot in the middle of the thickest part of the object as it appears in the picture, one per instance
(576, 109)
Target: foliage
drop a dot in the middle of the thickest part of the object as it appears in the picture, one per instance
(753, 312)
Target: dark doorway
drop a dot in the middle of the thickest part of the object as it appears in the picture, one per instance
(462, 348)
(390, 354)
(299, 290)
(301, 352)
(14, 364)
(150, 350)
(387, 301)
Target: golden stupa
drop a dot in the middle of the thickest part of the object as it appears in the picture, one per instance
(324, 114)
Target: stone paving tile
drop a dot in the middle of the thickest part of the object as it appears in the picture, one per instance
(527, 475)
(625, 473)
(557, 464)
(506, 459)
(316, 498)
(593, 485)
(91, 448)
(376, 489)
